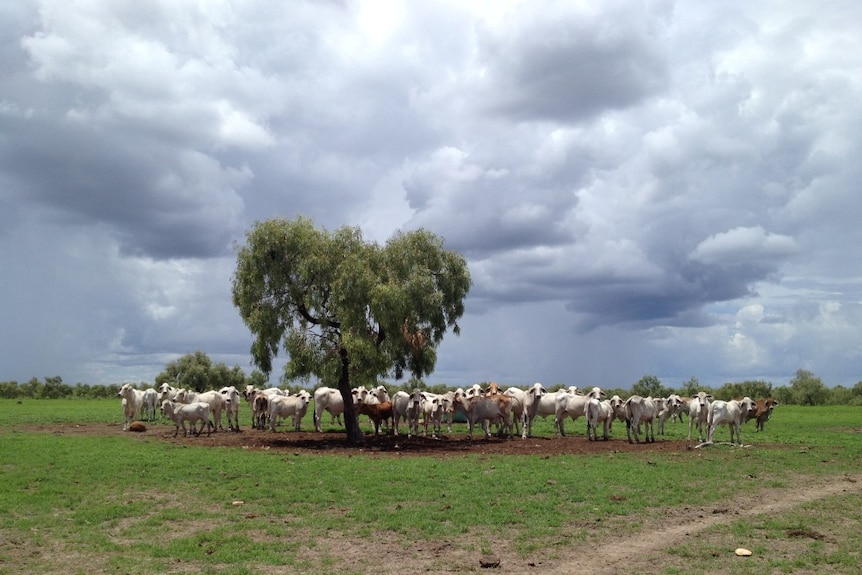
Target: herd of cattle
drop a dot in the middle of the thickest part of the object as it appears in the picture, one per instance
(513, 410)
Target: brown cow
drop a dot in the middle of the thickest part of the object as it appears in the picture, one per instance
(764, 412)
(376, 412)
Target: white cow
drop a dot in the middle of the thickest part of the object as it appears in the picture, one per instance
(294, 406)
(400, 402)
(597, 411)
(568, 405)
(231, 406)
(414, 411)
(640, 410)
(491, 409)
(546, 405)
(374, 396)
(698, 415)
(193, 412)
(618, 407)
(731, 413)
(449, 407)
(132, 402)
(519, 409)
(327, 399)
(259, 403)
(431, 407)
(150, 404)
(216, 402)
(167, 392)
(532, 402)
(671, 406)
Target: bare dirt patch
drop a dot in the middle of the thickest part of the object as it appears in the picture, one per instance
(383, 445)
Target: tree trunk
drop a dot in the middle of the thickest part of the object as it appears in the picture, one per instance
(351, 420)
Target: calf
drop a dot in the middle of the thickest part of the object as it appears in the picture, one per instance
(193, 412)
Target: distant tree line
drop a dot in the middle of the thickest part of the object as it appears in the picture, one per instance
(803, 389)
(196, 371)
(193, 371)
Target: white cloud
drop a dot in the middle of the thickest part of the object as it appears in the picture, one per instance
(653, 187)
(743, 245)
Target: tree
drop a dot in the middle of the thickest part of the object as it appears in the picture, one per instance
(257, 379)
(784, 395)
(808, 389)
(191, 371)
(197, 372)
(690, 388)
(856, 394)
(345, 309)
(650, 386)
(54, 388)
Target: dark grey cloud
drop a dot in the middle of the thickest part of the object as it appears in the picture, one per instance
(567, 62)
(638, 187)
(159, 201)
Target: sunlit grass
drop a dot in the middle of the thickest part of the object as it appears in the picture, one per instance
(136, 505)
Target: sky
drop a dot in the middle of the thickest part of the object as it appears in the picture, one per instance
(639, 187)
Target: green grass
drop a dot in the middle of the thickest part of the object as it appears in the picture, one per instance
(142, 505)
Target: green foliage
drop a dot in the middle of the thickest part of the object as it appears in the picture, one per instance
(196, 371)
(327, 296)
(690, 388)
(650, 386)
(753, 389)
(808, 389)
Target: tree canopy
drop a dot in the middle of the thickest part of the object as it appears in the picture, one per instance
(345, 309)
(650, 386)
(197, 372)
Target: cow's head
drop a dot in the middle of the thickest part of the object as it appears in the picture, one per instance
(536, 390)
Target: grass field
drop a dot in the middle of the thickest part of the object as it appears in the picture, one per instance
(111, 502)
